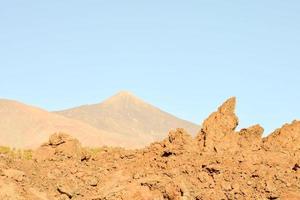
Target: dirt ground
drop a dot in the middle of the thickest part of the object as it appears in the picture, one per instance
(220, 163)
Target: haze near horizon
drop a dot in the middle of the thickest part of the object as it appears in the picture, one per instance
(185, 58)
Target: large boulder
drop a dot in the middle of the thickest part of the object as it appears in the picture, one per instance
(60, 146)
(218, 132)
(218, 125)
(178, 142)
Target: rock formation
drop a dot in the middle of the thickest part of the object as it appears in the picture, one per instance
(60, 145)
(220, 163)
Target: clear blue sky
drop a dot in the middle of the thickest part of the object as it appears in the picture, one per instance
(185, 57)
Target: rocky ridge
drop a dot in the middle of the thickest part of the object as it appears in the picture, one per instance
(219, 163)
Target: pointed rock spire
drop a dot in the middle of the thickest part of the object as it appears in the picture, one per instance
(124, 98)
(218, 124)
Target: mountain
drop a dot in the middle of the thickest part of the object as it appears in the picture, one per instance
(123, 120)
(129, 116)
(24, 126)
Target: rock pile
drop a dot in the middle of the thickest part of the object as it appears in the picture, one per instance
(60, 146)
(220, 163)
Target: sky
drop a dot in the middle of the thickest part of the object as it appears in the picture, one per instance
(185, 57)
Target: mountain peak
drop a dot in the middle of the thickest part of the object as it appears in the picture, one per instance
(123, 97)
(122, 94)
(128, 115)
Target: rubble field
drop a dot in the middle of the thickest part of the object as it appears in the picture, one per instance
(219, 163)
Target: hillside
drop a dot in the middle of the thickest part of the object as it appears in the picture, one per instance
(130, 116)
(25, 126)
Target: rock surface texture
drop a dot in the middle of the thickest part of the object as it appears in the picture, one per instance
(220, 163)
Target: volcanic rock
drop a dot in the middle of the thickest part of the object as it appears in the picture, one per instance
(220, 163)
(287, 138)
(218, 125)
(60, 145)
(250, 138)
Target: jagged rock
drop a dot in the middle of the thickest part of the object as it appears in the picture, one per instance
(70, 149)
(58, 138)
(178, 142)
(287, 138)
(178, 168)
(219, 124)
(251, 138)
(218, 132)
(61, 145)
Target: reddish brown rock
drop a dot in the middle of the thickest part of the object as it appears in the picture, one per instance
(251, 138)
(60, 145)
(178, 142)
(218, 125)
(220, 163)
(286, 138)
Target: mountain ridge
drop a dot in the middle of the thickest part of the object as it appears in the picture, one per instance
(127, 114)
(27, 126)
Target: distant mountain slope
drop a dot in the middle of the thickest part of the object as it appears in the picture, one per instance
(129, 116)
(24, 126)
